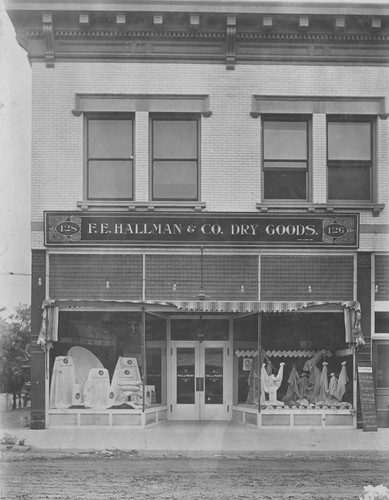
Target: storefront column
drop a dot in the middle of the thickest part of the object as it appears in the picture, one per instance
(38, 286)
(259, 326)
(363, 354)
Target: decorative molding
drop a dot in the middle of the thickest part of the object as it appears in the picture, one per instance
(231, 47)
(318, 104)
(237, 37)
(48, 34)
(363, 259)
(38, 257)
(141, 206)
(153, 103)
(329, 208)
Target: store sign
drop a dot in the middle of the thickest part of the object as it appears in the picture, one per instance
(77, 228)
(367, 397)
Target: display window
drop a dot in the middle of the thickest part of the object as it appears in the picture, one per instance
(99, 361)
(302, 361)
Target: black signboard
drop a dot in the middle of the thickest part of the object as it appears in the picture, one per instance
(93, 228)
(367, 397)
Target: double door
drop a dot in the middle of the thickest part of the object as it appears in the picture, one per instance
(199, 376)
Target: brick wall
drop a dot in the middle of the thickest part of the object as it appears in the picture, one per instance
(230, 146)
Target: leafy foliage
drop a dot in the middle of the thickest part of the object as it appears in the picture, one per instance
(14, 348)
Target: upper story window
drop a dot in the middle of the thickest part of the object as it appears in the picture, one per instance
(175, 157)
(350, 159)
(109, 172)
(285, 158)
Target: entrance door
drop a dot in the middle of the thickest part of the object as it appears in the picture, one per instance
(199, 380)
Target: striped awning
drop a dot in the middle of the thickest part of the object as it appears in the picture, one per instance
(258, 306)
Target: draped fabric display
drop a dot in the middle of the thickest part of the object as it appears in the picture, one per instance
(97, 389)
(84, 361)
(62, 383)
(48, 332)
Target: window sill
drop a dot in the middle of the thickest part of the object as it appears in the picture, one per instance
(142, 206)
(329, 208)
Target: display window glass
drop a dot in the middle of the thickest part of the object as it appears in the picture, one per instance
(98, 361)
(303, 361)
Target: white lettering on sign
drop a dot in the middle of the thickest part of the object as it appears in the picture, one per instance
(244, 229)
(291, 230)
(365, 369)
(211, 229)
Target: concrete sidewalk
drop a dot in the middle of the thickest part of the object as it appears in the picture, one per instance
(207, 437)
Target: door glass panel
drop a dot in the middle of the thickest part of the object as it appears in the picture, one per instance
(214, 376)
(185, 375)
(154, 371)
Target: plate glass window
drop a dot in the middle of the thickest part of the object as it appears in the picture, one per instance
(350, 160)
(110, 159)
(175, 159)
(285, 159)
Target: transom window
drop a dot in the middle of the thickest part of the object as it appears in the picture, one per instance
(350, 159)
(175, 157)
(285, 159)
(110, 158)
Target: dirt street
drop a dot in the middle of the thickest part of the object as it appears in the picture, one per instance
(115, 475)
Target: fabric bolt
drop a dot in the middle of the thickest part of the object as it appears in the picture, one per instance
(293, 392)
(62, 382)
(342, 382)
(270, 384)
(126, 382)
(324, 393)
(333, 385)
(97, 389)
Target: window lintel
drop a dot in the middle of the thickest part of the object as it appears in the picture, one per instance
(317, 104)
(122, 103)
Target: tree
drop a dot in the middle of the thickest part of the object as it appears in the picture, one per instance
(14, 349)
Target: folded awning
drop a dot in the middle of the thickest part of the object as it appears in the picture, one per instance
(260, 306)
(49, 329)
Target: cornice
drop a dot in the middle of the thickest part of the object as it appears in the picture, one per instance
(218, 38)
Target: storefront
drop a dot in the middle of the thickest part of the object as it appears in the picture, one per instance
(160, 356)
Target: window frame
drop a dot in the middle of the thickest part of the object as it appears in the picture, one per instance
(280, 117)
(174, 117)
(107, 116)
(372, 120)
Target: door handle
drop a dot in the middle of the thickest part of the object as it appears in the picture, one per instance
(199, 384)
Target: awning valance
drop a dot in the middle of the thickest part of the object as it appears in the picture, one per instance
(259, 306)
(49, 329)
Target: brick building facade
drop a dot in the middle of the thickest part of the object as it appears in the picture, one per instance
(209, 193)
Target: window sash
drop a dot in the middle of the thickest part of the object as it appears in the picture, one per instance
(175, 158)
(109, 162)
(350, 159)
(285, 145)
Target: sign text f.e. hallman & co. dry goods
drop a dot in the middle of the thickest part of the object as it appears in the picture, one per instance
(77, 228)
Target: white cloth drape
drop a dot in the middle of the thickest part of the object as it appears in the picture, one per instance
(62, 382)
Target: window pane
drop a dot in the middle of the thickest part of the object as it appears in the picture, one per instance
(175, 139)
(175, 180)
(110, 179)
(109, 139)
(349, 141)
(280, 185)
(285, 140)
(382, 365)
(213, 376)
(349, 182)
(185, 376)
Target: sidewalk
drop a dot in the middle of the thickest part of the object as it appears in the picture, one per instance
(192, 437)
(206, 437)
